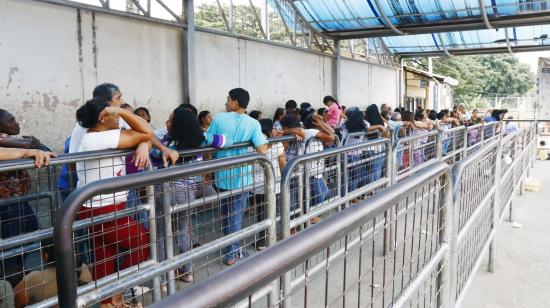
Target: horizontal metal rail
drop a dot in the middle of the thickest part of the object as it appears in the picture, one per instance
(20, 164)
(63, 230)
(229, 286)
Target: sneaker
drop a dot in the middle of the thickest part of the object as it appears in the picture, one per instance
(242, 255)
(186, 277)
(260, 245)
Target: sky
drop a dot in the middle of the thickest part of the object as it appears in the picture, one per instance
(532, 58)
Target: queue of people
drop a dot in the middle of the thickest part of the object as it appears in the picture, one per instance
(107, 122)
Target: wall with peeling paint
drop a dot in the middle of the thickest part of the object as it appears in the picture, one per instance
(51, 58)
(50, 63)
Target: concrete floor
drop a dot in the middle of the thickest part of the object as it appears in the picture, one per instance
(522, 275)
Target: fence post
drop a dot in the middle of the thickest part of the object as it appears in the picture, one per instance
(271, 211)
(496, 207)
(157, 295)
(466, 145)
(444, 279)
(286, 178)
(168, 237)
(439, 145)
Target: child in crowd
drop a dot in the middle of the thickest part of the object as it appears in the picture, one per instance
(333, 111)
(143, 113)
(205, 118)
(277, 117)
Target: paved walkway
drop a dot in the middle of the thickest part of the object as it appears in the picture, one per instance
(522, 275)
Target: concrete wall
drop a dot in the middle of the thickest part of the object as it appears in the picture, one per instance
(51, 57)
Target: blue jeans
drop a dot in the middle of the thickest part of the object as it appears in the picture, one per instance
(181, 221)
(319, 191)
(134, 201)
(375, 165)
(446, 144)
(357, 174)
(232, 219)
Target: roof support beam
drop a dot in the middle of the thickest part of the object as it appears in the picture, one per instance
(464, 24)
(508, 41)
(108, 11)
(176, 17)
(337, 70)
(443, 45)
(386, 19)
(188, 54)
(474, 51)
(483, 12)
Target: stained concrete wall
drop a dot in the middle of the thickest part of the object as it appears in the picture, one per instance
(51, 57)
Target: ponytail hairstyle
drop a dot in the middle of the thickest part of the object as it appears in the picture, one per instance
(185, 132)
(329, 98)
(356, 121)
(373, 116)
(88, 115)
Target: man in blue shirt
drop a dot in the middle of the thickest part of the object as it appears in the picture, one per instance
(237, 127)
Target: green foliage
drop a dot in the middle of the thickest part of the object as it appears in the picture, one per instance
(244, 21)
(487, 75)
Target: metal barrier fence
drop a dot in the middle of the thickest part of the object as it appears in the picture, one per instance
(150, 267)
(350, 174)
(453, 144)
(351, 245)
(30, 198)
(410, 154)
(442, 228)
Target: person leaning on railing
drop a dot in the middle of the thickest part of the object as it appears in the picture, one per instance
(183, 131)
(16, 216)
(103, 132)
(41, 158)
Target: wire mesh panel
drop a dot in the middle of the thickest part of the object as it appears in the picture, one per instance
(320, 184)
(453, 144)
(29, 199)
(474, 137)
(491, 131)
(346, 266)
(475, 193)
(509, 157)
(187, 236)
(412, 153)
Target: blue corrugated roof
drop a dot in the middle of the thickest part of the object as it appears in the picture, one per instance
(346, 15)
(422, 18)
(476, 39)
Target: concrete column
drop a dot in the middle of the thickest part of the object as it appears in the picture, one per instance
(188, 55)
(402, 85)
(337, 70)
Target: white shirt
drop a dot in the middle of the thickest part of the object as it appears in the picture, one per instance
(79, 132)
(511, 127)
(273, 153)
(99, 169)
(315, 166)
